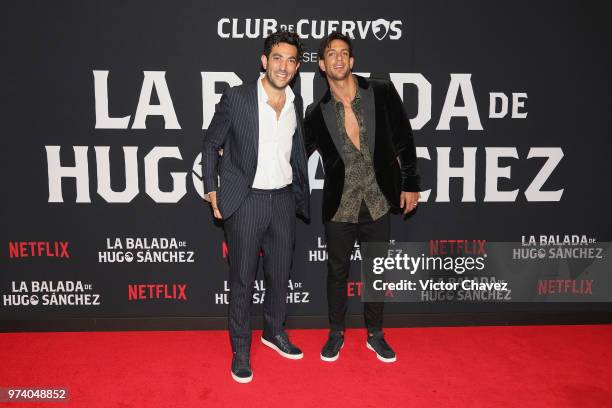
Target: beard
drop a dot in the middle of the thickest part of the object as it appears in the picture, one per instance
(276, 82)
(338, 75)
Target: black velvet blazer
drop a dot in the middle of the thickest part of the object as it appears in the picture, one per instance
(389, 138)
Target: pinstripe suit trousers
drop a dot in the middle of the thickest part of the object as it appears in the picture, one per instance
(266, 221)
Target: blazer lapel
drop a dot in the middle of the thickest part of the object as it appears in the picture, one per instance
(252, 108)
(298, 140)
(329, 115)
(298, 118)
(369, 113)
(298, 153)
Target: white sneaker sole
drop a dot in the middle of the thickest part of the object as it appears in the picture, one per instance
(381, 358)
(334, 358)
(241, 380)
(282, 353)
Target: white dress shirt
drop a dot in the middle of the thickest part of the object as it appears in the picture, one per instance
(275, 141)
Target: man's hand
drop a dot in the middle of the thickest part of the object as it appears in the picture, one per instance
(409, 200)
(213, 204)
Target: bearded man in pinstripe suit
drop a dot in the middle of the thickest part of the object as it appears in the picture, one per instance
(263, 184)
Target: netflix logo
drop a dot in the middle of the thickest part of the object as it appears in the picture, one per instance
(354, 289)
(30, 249)
(549, 287)
(157, 291)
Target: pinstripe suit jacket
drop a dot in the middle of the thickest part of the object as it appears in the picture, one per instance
(235, 128)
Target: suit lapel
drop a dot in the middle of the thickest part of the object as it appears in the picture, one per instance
(329, 115)
(298, 153)
(252, 108)
(298, 139)
(369, 115)
(298, 118)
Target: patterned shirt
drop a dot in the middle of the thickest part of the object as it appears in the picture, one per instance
(359, 177)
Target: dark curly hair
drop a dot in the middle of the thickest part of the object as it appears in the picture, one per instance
(287, 37)
(334, 35)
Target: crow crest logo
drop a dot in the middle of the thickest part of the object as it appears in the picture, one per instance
(380, 28)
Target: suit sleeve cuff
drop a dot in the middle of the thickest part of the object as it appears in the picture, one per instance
(210, 184)
(411, 183)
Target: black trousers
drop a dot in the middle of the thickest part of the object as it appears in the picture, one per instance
(340, 237)
(265, 221)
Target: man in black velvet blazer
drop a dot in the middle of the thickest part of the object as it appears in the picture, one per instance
(364, 137)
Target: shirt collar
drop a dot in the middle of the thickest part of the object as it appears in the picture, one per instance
(263, 95)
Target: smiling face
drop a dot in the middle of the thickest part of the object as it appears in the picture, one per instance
(281, 65)
(337, 62)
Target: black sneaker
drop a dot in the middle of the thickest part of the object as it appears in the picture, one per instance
(241, 368)
(384, 352)
(282, 345)
(331, 349)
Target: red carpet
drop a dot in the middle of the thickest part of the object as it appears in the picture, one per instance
(525, 366)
